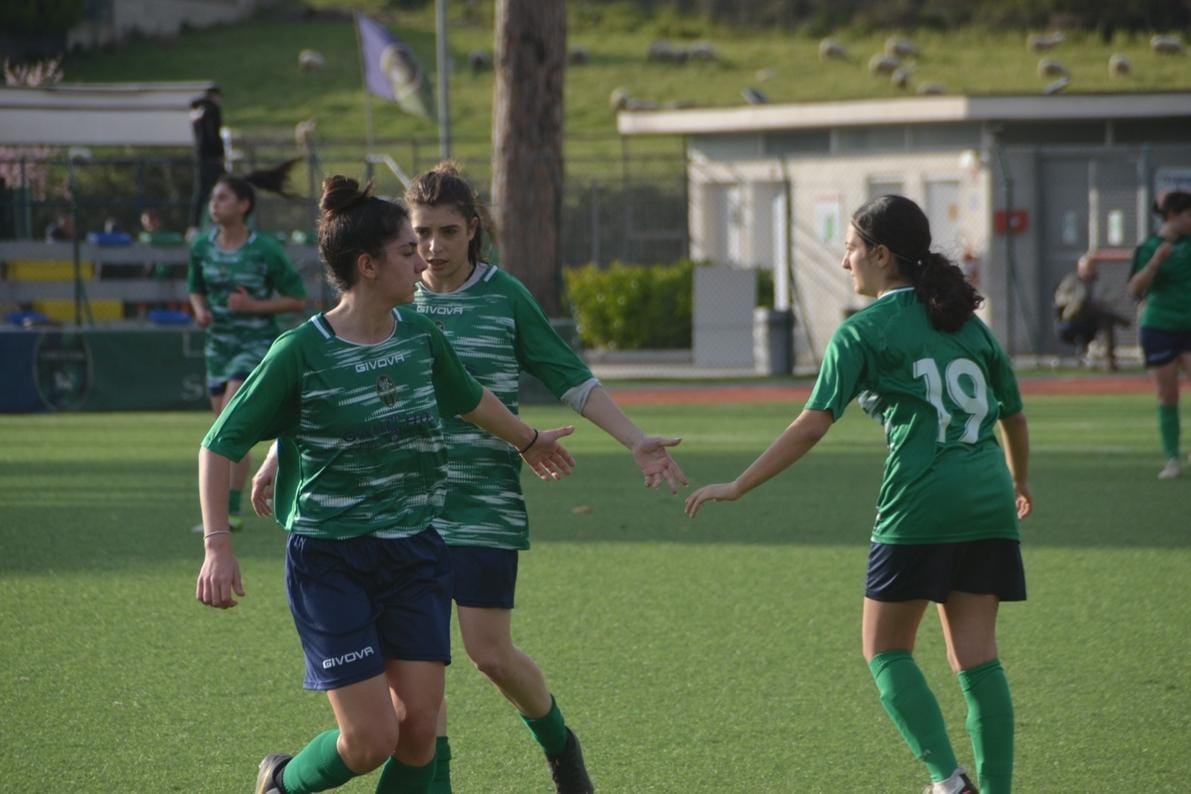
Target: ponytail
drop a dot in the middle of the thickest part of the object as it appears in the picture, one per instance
(270, 179)
(901, 226)
(947, 296)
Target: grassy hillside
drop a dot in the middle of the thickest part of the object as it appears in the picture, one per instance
(266, 93)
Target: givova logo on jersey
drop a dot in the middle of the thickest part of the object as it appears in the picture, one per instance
(386, 390)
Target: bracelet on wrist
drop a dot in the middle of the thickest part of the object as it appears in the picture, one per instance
(214, 532)
(532, 441)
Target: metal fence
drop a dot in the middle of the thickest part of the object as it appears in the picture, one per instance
(1014, 218)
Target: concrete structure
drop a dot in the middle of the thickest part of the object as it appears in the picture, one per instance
(1016, 188)
(99, 114)
(111, 21)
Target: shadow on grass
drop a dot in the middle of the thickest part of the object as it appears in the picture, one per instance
(80, 516)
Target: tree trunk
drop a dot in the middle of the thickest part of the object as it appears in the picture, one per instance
(530, 65)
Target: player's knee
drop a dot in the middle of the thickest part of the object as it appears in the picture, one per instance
(366, 748)
(495, 666)
(496, 662)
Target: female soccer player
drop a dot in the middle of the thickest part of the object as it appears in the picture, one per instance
(1161, 276)
(239, 281)
(946, 529)
(498, 330)
(356, 398)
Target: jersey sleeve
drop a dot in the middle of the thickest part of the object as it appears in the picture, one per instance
(455, 390)
(1002, 379)
(540, 350)
(194, 270)
(1143, 253)
(843, 374)
(266, 406)
(282, 275)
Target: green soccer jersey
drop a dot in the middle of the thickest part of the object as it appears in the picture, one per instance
(1168, 302)
(938, 396)
(359, 427)
(235, 343)
(498, 330)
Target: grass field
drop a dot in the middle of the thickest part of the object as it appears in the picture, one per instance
(720, 655)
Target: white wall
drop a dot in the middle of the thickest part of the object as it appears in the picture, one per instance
(825, 193)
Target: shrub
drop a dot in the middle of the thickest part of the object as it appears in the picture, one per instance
(632, 307)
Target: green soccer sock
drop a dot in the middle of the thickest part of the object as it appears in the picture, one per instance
(914, 710)
(442, 767)
(399, 778)
(233, 502)
(550, 730)
(317, 767)
(990, 724)
(1168, 429)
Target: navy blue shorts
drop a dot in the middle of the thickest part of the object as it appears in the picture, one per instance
(1162, 347)
(361, 601)
(932, 571)
(484, 578)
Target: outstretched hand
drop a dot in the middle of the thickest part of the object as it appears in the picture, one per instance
(717, 492)
(656, 464)
(549, 459)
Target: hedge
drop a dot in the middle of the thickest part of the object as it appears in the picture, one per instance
(632, 307)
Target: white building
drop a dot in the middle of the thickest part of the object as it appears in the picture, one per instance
(1016, 188)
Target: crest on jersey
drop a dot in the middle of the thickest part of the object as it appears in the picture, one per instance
(386, 390)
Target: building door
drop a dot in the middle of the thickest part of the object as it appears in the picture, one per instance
(1063, 238)
(769, 245)
(942, 210)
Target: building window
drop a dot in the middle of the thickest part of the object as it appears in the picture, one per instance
(798, 142)
(945, 136)
(866, 139)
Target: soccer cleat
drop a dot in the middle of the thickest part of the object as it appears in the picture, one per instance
(568, 770)
(958, 783)
(1170, 470)
(267, 778)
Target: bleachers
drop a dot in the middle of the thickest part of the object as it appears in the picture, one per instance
(119, 283)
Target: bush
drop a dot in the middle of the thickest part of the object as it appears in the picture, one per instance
(631, 307)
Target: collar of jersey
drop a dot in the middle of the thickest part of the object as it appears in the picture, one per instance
(884, 295)
(483, 272)
(319, 321)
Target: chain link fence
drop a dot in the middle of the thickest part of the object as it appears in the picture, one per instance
(766, 228)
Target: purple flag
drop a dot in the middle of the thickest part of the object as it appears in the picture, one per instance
(391, 70)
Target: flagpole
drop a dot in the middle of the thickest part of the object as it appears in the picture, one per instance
(364, 84)
(444, 70)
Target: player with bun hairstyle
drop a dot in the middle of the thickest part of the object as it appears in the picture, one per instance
(239, 281)
(919, 361)
(356, 398)
(1161, 276)
(498, 330)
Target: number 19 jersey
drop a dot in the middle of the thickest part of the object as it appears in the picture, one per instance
(938, 396)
